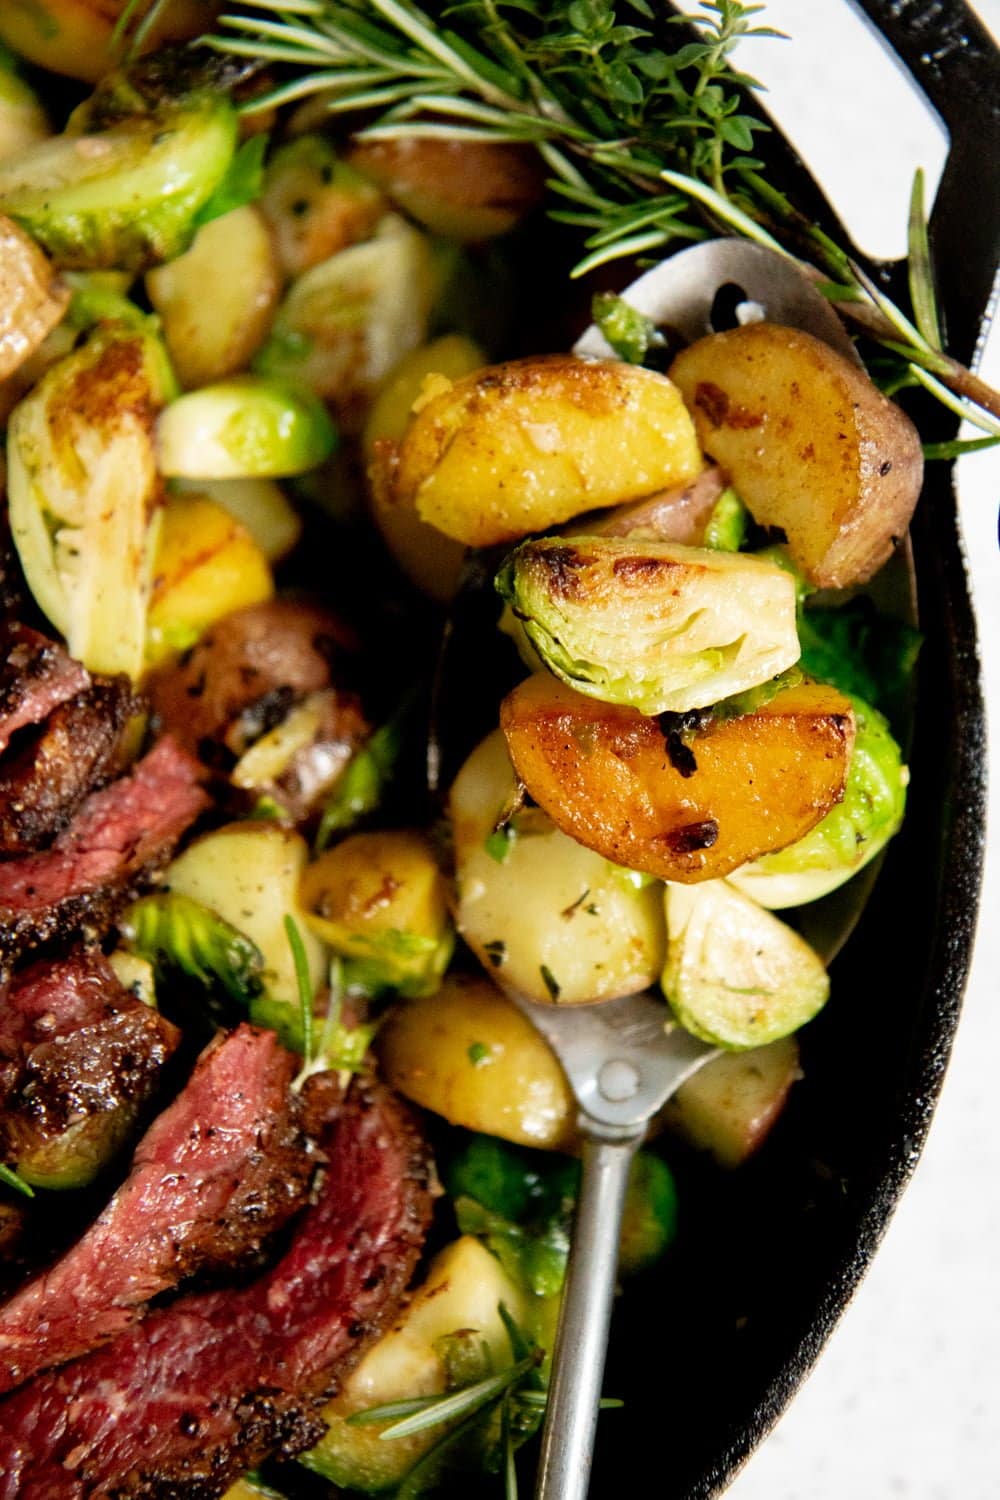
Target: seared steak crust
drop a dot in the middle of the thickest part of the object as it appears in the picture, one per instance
(118, 835)
(197, 1393)
(36, 676)
(43, 783)
(221, 1169)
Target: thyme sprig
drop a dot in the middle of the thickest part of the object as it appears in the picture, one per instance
(647, 145)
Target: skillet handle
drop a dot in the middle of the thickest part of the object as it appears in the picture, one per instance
(584, 1318)
(952, 58)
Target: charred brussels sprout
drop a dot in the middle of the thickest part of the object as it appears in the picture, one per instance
(126, 196)
(852, 833)
(735, 975)
(173, 929)
(653, 625)
(85, 495)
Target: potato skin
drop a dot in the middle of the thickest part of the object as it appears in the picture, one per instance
(74, 36)
(604, 776)
(523, 446)
(461, 190)
(429, 1050)
(811, 445)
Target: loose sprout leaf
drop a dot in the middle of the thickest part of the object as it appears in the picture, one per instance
(726, 527)
(630, 333)
(170, 928)
(243, 182)
(362, 786)
(304, 983)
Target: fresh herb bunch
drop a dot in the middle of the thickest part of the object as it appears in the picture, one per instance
(647, 145)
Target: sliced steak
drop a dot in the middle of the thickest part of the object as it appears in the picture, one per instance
(36, 676)
(79, 748)
(198, 1392)
(118, 835)
(220, 1170)
(79, 1057)
(244, 674)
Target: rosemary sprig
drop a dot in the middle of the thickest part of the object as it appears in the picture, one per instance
(647, 146)
(12, 1179)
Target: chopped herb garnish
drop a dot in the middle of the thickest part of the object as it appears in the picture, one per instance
(550, 981)
(496, 952)
(629, 332)
(574, 906)
(499, 843)
(479, 1053)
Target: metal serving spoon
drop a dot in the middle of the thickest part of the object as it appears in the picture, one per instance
(622, 1058)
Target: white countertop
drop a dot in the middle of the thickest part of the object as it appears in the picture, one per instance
(903, 1402)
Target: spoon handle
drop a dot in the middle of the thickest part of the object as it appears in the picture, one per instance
(582, 1334)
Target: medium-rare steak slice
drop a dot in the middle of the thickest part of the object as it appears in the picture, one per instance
(200, 1391)
(36, 676)
(79, 1057)
(221, 1169)
(118, 835)
(79, 748)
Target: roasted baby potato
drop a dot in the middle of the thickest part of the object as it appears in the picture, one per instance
(75, 36)
(729, 1105)
(660, 627)
(216, 300)
(550, 918)
(207, 565)
(380, 900)
(467, 1053)
(607, 777)
(462, 190)
(524, 446)
(452, 1318)
(810, 444)
(428, 559)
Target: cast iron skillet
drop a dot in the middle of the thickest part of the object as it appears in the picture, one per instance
(769, 1257)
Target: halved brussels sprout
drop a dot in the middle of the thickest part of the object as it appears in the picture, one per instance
(850, 835)
(735, 975)
(85, 495)
(123, 197)
(32, 300)
(379, 899)
(346, 322)
(651, 625)
(244, 428)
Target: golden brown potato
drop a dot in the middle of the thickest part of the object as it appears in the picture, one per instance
(74, 36)
(605, 777)
(207, 565)
(32, 301)
(525, 445)
(462, 190)
(810, 444)
(428, 559)
(468, 1054)
(216, 301)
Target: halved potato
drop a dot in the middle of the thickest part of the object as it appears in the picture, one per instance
(216, 301)
(605, 776)
(525, 445)
(75, 36)
(462, 190)
(730, 1104)
(467, 1053)
(551, 919)
(809, 442)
